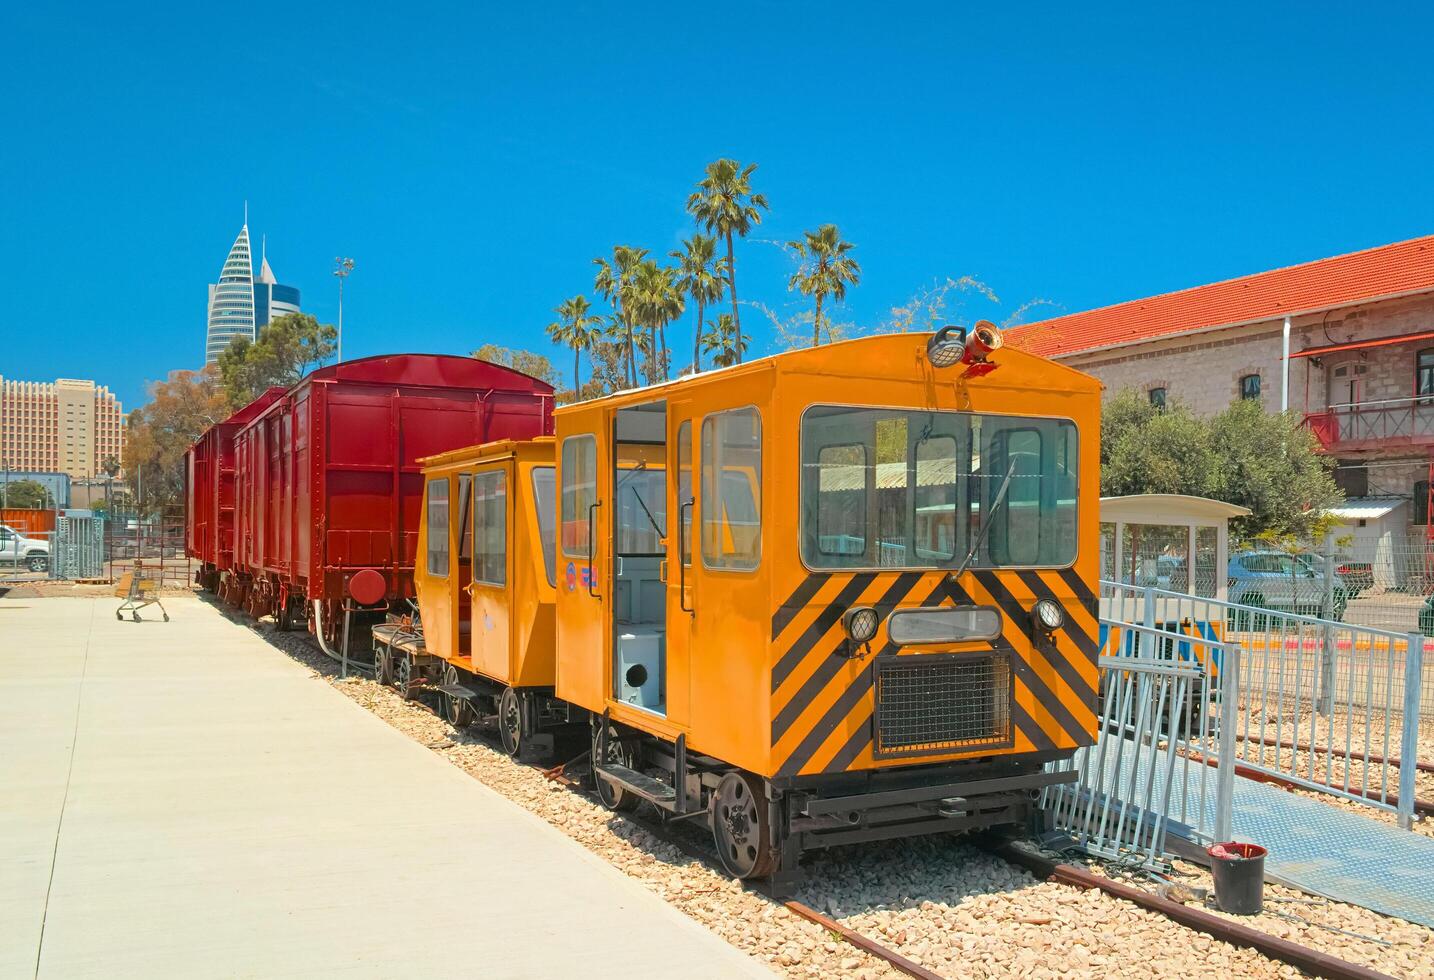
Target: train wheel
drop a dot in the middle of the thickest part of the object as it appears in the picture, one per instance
(622, 752)
(403, 675)
(458, 711)
(510, 722)
(382, 665)
(739, 826)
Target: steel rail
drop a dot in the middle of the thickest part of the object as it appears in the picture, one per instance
(1309, 960)
(1364, 757)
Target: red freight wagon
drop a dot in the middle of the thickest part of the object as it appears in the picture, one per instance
(328, 488)
(209, 492)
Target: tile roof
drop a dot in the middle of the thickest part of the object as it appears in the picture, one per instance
(1389, 270)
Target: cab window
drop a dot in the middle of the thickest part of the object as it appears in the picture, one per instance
(438, 526)
(490, 527)
(579, 492)
(731, 474)
(684, 486)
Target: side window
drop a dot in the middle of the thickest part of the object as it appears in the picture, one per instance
(684, 486)
(732, 489)
(543, 486)
(438, 526)
(490, 527)
(579, 493)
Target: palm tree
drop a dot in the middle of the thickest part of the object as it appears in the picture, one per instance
(723, 342)
(701, 276)
(576, 329)
(656, 302)
(830, 271)
(614, 283)
(724, 203)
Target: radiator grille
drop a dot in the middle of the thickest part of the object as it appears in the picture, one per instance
(929, 704)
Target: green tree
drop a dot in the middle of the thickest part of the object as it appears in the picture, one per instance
(722, 342)
(1267, 462)
(826, 270)
(158, 434)
(287, 348)
(577, 329)
(614, 283)
(724, 204)
(702, 278)
(533, 365)
(656, 302)
(27, 495)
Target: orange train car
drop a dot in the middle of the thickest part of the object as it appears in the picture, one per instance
(856, 602)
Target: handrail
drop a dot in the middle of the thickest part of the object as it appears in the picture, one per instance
(1261, 610)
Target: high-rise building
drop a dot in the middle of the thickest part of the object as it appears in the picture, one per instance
(231, 299)
(68, 427)
(239, 304)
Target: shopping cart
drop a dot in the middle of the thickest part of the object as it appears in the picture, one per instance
(137, 592)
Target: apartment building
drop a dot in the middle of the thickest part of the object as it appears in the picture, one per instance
(1346, 342)
(66, 426)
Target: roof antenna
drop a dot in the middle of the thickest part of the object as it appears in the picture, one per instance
(263, 244)
(246, 212)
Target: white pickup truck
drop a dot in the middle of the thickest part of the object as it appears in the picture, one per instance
(16, 549)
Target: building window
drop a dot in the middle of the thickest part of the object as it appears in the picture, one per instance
(1157, 398)
(1424, 372)
(1250, 387)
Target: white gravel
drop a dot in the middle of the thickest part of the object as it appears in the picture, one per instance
(956, 910)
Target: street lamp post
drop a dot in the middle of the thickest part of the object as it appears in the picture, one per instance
(342, 268)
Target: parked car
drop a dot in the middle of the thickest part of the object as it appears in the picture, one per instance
(1426, 617)
(1357, 575)
(1286, 582)
(16, 549)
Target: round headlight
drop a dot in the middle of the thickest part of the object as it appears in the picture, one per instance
(946, 347)
(1050, 614)
(860, 623)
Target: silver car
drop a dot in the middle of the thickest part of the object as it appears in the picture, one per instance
(1282, 581)
(16, 549)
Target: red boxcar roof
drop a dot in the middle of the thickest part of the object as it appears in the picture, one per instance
(1400, 269)
(436, 370)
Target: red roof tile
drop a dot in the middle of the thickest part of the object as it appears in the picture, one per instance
(1389, 270)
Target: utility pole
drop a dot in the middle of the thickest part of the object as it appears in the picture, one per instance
(342, 268)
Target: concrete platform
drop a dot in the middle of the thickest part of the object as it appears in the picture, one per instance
(181, 800)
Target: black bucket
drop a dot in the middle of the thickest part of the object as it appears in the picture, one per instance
(1239, 871)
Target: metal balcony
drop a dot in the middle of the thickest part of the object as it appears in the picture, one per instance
(1394, 423)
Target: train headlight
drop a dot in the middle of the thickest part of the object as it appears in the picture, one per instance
(946, 347)
(860, 623)
(1050, 615)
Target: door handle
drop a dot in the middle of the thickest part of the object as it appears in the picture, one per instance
(592, 565)
(682, 554)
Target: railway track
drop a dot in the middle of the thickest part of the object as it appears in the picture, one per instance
(694, 846)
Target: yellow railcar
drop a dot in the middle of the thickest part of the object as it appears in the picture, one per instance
(484, 578)
(838, 594)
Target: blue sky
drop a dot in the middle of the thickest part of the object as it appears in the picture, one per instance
(474, 158)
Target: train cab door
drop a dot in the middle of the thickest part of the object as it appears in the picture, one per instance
(638, 608)
(490, 531)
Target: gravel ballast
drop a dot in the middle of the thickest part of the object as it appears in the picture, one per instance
(955, 909)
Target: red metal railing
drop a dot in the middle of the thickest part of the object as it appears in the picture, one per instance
(1392, 422)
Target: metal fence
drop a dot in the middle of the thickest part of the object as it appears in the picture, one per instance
(1386, 580)
(1324, 705)
(1164, 751)
(86, 546)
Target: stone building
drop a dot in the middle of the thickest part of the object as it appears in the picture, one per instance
(1347, 343)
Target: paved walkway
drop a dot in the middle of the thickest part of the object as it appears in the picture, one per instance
(181, 800)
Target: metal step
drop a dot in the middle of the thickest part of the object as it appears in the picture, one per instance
(455, 691)
(652, 790)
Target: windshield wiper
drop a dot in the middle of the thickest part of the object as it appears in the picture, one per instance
(986, 521)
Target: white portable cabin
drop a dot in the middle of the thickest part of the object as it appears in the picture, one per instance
(1167, 541)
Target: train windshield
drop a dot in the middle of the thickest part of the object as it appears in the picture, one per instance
(885, 488)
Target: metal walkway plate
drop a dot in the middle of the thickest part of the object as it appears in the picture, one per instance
(1323, 849)
(1338, 853)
